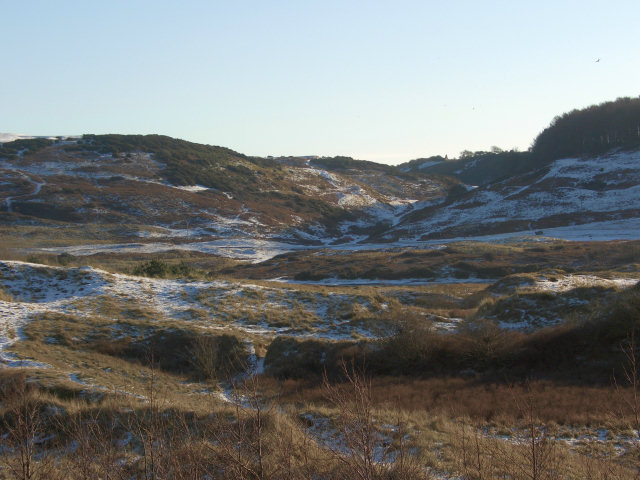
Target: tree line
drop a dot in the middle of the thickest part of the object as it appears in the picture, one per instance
(591, 131)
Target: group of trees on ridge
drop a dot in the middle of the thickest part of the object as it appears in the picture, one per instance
(591, 131)
(476, 168)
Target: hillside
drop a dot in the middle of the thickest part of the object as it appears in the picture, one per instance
(177, 310)
(163, 182)
(474, 168)
(566, 193)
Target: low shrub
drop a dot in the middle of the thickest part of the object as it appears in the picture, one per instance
(204, 356)
(160, 269)
(215, 357)
(308, 275)
(152, 268)
(288, 357)
(585, 349)
(65, 259)
(35, 259)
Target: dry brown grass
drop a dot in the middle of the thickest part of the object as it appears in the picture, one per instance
(482, 402)
(460, 260)
(5, 296)
(166, 438)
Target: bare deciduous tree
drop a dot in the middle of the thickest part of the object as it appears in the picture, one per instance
(23, 443)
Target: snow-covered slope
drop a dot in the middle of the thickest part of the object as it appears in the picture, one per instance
(568, 192)
(245, 307)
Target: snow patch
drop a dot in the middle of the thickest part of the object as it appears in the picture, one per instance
(192, 188)
(570, 282)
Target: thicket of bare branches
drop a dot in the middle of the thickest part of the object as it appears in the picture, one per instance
(255, 439)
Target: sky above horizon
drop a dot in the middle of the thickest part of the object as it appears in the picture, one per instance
(375, 80)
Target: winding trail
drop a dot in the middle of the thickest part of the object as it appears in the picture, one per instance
(37, 182)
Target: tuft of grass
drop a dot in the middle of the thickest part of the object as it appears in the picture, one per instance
(36, 259)
(6, 296)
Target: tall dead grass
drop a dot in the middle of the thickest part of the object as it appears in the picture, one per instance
(479, 400)
(254, 438)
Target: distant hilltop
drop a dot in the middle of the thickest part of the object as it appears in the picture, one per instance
(11, 137)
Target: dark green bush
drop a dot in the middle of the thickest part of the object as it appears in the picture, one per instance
(307, 275)
(65, 259)
(35, 259)
(152, 268)
(180, 351)
(159, 269)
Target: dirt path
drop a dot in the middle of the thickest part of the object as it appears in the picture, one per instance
(37, 182)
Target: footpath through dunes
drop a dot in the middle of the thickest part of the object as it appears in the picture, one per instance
(26, 185)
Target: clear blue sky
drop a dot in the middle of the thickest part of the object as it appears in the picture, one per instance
(381, 80)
